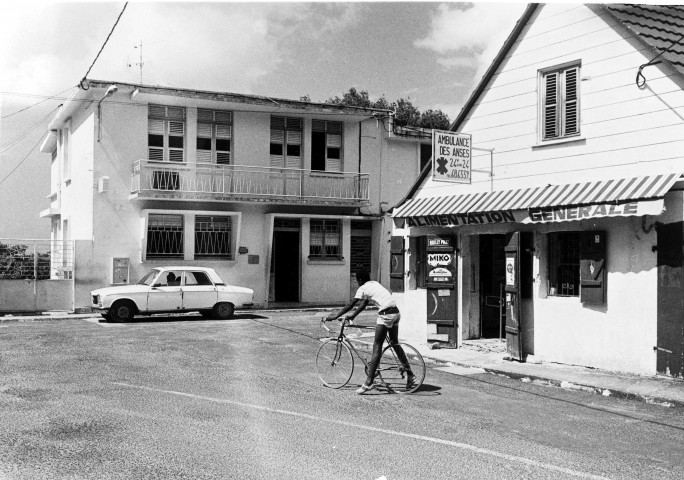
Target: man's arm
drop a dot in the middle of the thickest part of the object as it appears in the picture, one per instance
(345, 309)
(359, 309)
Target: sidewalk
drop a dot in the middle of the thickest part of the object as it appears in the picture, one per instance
(482, 356)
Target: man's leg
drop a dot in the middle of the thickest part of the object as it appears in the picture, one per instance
(380, 334)
(394, 341)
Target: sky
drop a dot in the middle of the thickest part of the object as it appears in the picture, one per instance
(429, 52)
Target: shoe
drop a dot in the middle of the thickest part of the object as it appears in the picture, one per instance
(365, 388)
(411, 382)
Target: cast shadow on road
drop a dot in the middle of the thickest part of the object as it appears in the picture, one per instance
(579, 404)
(188, 318)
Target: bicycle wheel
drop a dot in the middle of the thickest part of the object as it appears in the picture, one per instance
(334, 363)
(395, 375)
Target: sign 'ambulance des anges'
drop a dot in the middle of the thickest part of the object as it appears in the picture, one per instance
(451, 156)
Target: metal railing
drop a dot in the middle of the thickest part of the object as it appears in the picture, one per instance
(246, 183)
(36, 259)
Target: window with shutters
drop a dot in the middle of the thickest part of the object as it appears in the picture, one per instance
(559, 101)
(564, 263)
(326, 146)
(213, 237)
(325, 239)
(214, 136)
(166, 133)
(164, 236)
(286, 142)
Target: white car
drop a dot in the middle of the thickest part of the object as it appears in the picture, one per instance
(172, 290)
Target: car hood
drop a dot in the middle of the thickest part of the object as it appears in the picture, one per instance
(121, 290)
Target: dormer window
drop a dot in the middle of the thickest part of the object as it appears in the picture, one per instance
(559, 101)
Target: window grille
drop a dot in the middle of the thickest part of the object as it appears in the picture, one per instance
(564, 263)
(324, 240)
(326, 145)
(213, 237)
(560, 103)
(166, 133)
(164, 236)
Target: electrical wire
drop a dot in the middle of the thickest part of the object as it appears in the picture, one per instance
(83, 80)
(24, 159)
(38, 103)
(27, 131)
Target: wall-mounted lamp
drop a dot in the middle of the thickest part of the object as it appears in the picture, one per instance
(110, 91)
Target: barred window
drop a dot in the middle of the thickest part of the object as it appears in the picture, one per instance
(214, 136)
(213, 237)
(564, 264)
(166, 133)
(165, 236)
(325, 239)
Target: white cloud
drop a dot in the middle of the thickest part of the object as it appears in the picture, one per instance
(471, 34)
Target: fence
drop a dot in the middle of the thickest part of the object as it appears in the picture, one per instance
(36, 275)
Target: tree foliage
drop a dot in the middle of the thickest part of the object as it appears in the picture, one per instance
(406, 114)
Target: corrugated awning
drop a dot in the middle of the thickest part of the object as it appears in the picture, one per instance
(599, 192)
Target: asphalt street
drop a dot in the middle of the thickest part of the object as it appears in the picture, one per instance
(184, 397)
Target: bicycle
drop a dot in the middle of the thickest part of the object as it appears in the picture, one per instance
(335, 362)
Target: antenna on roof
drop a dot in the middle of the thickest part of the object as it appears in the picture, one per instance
(140, 62)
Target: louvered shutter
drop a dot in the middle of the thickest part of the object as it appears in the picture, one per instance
(204, 130)
(278, 138)
(397, 264)
(293, 138)
(550, 121)
(157, 111)
(334, 142)
(176, 129)
(223, 132)
(593, 268)
(571, 102)
(155, 127)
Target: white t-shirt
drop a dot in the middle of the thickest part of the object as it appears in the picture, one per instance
(376, 293)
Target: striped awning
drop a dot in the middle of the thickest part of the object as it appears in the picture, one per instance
(576, 194)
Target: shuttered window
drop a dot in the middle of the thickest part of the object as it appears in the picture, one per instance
(166, 133)
(214, 136)
(286, 142)
(396, 264)
(560, 103)
(164, 236)
(326, 145)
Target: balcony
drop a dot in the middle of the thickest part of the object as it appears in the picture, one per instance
(238, 183)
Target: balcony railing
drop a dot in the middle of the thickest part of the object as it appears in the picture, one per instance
(182, 181)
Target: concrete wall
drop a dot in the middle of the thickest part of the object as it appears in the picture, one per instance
(29, 295)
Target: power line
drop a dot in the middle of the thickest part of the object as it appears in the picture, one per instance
(83, 80)
(26, 132)
(37, 103)
(24, 159)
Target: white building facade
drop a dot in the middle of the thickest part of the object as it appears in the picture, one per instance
(286, 197)
(566, 241)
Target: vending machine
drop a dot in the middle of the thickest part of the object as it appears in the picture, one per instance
(442, 301)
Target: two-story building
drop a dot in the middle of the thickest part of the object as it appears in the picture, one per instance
(564, 235)
(286, 197)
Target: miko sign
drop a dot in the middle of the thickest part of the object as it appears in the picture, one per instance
(451, 156)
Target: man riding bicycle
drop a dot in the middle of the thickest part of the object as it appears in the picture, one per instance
(387, 324)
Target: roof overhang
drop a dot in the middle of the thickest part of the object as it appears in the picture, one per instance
(623, 197)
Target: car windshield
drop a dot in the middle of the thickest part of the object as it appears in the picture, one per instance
(149, 277)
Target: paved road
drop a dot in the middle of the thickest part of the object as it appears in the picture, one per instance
(183, 397)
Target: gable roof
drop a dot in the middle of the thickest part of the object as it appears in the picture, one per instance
(659, 27)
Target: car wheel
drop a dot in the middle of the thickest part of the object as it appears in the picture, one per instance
(207, 313)
(122, 311)
(223, 311)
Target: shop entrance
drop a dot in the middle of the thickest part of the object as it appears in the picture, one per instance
(492, 280)
(285, 261)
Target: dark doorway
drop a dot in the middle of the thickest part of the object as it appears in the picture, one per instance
(492, 278)
(360, 251)
(670, 347)
(285, 262)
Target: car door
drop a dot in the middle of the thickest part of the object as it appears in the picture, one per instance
(165, 294)
(199, 292)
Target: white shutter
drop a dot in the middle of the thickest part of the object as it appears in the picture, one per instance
(155, 126)
(223, 158)
(203, 156)
(205, 115)
(224, 117)
(175, 112)
(277, 136)
(176, 128)
(276, 161)
(334, 140)
(224, 131)
(155, 154)
(157, 111)
(294, 138)
(204, 130)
